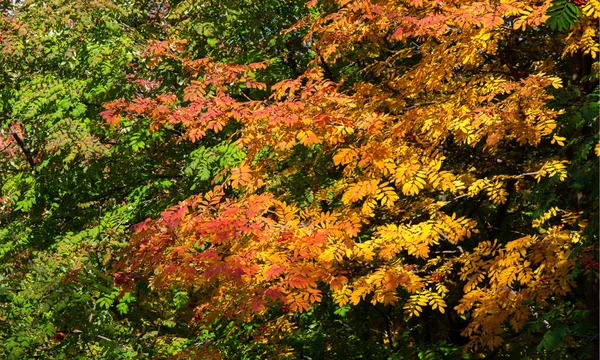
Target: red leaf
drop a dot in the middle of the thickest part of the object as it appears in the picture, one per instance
(274, 271)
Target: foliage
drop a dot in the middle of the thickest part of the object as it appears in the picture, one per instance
(241, 180)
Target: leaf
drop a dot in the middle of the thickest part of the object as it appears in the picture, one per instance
(240, 176)
(345, 156)
(563, 15)
(105, 303)
(273, 272)
(552, 338)
(308, 138)
(122, 308)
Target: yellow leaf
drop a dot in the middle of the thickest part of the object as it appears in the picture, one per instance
(559, 140)
(556, 82)
(345, 156)
(308, 138)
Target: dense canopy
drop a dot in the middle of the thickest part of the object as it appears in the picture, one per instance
(348, 179)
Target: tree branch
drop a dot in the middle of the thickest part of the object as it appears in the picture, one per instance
(328, 71)
(24, 149)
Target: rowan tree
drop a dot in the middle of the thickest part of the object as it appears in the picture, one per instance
(420, 162)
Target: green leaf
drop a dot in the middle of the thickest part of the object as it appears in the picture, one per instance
(563, 15)
(342, 311)
(552, 338)
(122, 308)
(104, 302)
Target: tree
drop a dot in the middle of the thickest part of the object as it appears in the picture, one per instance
(405, 168)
